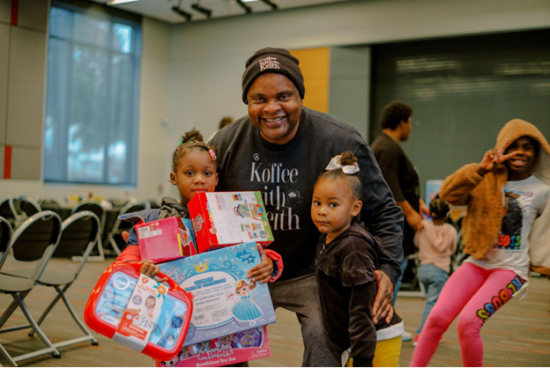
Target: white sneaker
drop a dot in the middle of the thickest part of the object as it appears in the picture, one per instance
(406, 337)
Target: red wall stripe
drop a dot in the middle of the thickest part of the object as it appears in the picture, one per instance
(14, 9)
(7, 162)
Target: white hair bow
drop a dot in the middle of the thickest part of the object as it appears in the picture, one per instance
(335, 164)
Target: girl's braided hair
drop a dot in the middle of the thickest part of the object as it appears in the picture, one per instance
(439, 209)
(346, 158)
(191, 139)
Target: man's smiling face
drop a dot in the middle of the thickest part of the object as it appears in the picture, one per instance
(274, 107)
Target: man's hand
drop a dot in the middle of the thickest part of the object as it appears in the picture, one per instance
(148, 268)
(263, 271)
(415, 221)
(493, 159)
(382, 304)
(424, 209)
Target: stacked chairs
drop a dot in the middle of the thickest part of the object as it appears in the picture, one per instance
(48, 204)
(115, 235)
(79, 236)
(10, 209)
(34, 241)
(94, 207)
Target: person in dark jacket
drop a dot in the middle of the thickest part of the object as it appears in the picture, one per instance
(279, 149)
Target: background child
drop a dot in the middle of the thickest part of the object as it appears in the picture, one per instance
(347, 257)
(194, 170)
(498, 266)
(436, 243)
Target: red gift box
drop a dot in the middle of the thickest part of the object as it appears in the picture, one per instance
(166, 240)
(222, 219)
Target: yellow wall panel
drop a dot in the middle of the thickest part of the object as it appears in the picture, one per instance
(315, 66)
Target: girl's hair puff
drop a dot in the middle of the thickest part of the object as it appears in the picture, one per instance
(191, 139)
(346, 159)
(439, 209)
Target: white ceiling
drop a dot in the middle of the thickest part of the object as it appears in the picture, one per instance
(162, 9)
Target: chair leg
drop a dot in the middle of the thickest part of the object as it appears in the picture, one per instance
(7, 356)
(11, 308)
(87, 332)
(114, 244)
(50, 348)
(46, 312)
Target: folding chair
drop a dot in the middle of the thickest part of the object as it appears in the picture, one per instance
(94, 207)
(48, 204)
(120, 226)
(34, 241)
(10, 209)
(29, 206)
(78, 238)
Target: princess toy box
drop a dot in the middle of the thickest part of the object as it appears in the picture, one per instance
(225, 301)
(227, 218)
(139, 312)
(230, 349)
(165, 240)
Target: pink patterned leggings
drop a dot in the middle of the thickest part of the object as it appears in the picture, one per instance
(475, 293)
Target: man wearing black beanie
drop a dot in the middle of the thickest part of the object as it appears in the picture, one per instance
(279, 149)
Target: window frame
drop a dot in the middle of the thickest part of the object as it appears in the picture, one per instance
(132, 130)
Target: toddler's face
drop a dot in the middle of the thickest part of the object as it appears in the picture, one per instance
(150, 302)
(333, 207)
(195, 173)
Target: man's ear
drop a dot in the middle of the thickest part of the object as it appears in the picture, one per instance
(356, 208)
(173, 178)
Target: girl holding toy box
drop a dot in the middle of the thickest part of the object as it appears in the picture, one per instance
(194, 170)
(347, 257)
(506, 229)
(436, 243)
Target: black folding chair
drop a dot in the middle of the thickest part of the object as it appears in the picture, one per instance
(79, 236)
(34, 241)
(94, 207)
(10, 209)
(48, 204)
(116, 232)
(29, 206)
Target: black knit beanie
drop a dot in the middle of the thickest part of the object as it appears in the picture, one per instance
(272, 60)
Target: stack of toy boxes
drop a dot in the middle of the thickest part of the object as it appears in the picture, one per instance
(226, 302)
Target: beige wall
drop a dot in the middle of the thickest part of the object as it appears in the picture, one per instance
(22, 92)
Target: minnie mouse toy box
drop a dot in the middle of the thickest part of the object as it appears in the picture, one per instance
(139, 312)
(223, 351)
(225, 300)
(222, 219)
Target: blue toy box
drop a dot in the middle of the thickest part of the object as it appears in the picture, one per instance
(224, 300)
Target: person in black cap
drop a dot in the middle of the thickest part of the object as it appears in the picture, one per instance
(279, 149)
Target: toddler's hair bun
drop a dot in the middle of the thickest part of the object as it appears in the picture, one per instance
(192, 136)
(347, 159)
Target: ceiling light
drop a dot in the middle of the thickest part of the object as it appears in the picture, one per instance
(183, 13)
(202, 10)
(116, 2)
(244, 6)
(271, 4)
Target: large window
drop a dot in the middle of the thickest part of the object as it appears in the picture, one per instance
(92, 98)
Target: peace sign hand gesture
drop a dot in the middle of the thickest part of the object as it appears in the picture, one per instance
(493, 159)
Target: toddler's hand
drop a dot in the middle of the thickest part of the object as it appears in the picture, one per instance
(148, 268)
(263, 271)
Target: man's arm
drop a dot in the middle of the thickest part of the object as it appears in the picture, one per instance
(380, 214)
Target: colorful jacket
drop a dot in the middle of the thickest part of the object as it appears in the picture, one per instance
(484, 197)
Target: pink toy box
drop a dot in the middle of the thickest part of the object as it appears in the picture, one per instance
(221, 219)
(230, 349)
(166, 240)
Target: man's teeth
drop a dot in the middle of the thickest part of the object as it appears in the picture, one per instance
(272, 120)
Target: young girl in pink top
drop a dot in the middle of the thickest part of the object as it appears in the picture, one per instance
(436, 243)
